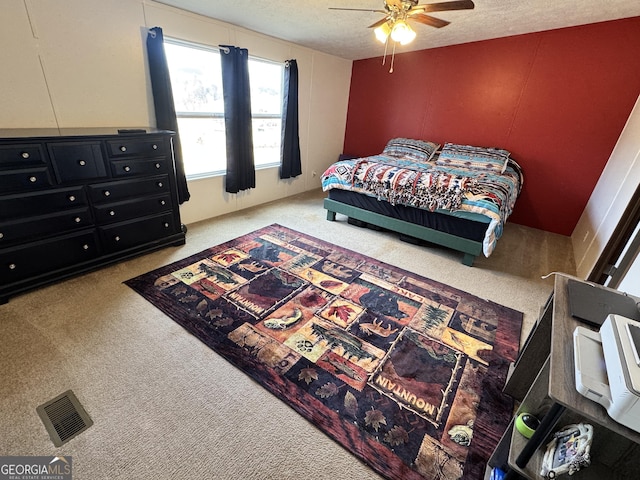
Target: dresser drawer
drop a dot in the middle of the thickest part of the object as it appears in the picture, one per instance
(125, 235)
(21, 155)
(118, 212)
(44, 226)
(37, 258)
(77, 161)
(124, 189)
(133, 167)
(21, 205)
(136, 146)
(24, 179)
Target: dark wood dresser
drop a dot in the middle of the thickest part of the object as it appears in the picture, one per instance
(78, 199)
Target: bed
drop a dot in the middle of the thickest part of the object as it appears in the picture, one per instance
(457, 196)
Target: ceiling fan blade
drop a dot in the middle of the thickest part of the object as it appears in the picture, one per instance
(379, 22)
(359, 10)
(443, 7)
(429, 20)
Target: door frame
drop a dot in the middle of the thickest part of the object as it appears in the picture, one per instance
(620, 237)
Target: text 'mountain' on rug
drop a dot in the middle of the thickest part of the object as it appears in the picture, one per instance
(404, 372)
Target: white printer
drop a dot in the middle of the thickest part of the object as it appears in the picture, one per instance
(607, 367)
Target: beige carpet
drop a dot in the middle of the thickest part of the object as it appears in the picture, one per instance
(167, 407)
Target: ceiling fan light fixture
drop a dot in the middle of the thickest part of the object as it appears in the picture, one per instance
(409, 36)
(382, 32)
(397, 12)
(402, 33)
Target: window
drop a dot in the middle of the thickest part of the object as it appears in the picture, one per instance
(196, 79)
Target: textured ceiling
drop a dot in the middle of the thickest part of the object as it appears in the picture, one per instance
(310, 23)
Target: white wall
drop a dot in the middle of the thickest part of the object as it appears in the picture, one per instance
(82, 63)
(72, 64)
(618, 182)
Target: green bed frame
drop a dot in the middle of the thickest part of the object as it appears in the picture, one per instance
(470, 248)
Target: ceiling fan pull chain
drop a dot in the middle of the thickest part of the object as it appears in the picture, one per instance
(393, 56)
(386, 44)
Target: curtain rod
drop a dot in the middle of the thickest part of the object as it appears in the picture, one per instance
(153, 35)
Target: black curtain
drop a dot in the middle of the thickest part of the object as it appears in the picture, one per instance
(163, 102)
(290, 151)
(241, 173)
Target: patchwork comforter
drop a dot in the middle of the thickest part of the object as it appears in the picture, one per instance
(433, 186)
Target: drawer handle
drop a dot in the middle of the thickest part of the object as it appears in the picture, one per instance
(127, 169)
(77, 219)
(154, 146)
(157, 165)
(160, 184)
(82, 163)
(106, 193)
(112, 213)
(25, 155)
(33, 179)
(12, 266)
(162, 202)
(72, 198)
(85, 247)
(166, 225)
(123, 148)
(116, 238)
(1, 235)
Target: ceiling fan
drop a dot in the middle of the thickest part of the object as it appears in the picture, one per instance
(397, 13)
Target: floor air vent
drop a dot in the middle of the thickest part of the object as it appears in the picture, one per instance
(64, 418)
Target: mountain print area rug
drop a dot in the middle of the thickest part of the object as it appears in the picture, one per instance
(404, 372)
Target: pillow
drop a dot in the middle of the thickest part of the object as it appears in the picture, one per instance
(416, 150)
(480, 158)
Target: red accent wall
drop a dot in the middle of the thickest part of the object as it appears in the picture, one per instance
(557, 100)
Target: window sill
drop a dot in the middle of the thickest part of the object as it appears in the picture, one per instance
(221, 173)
